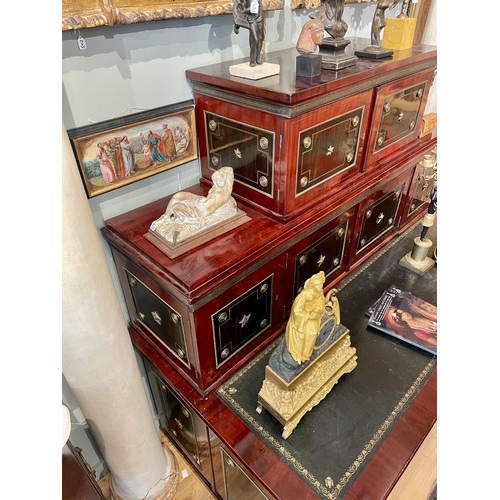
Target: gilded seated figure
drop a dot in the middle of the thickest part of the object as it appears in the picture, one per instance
(309, 359)
(188, 213)
(311, 312)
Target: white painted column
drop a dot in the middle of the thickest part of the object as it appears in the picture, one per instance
(98, 360)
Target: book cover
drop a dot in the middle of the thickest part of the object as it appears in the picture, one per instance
(403, 315)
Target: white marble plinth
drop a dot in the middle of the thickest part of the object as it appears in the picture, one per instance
(254, 72)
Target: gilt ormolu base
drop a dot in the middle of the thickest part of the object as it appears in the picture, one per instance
(289, 401)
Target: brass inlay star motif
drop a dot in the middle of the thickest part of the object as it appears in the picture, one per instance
(244, 320)
(329, 151)
(237, 153)
(320, 260)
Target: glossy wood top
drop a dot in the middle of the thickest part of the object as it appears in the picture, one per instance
(288, 89)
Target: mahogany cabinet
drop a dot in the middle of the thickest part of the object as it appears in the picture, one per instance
(329, 170)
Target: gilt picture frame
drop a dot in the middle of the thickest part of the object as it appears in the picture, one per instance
(117, 152)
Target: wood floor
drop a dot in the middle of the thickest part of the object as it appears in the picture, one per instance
(417, 482)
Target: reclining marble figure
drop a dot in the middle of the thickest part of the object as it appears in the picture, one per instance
(187, 213)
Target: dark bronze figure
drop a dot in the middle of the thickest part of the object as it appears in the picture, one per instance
(375, 50)
(332, 48)
(404, 8)
(248, 14)
(378, 23)
(330, 14)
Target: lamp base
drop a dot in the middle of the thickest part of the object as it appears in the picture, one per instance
(417, 259)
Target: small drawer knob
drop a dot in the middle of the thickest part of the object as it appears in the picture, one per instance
(224, 353)
(215, 161)
(212, 125)
(263, 142)
(263, 181)
(307, 142)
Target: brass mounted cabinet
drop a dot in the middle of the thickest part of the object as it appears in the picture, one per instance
(322, 193)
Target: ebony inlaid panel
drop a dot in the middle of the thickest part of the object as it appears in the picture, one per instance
(326, 254)
(158, 317)
(399, 115)
(327, 149)
(238, 322)
(379, 217)
(248, 150)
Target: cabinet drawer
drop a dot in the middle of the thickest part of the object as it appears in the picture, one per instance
(181, 424)
(379, 215)
(164, 322)
(324, 150)
(247, 149)
(327, 250)
(397, 114)
(243, 319)
(237, 483)
(327, 149)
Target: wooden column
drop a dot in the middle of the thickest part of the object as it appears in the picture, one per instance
(98, 360)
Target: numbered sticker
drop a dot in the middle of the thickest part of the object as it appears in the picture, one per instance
(254, 7)
(81, 43)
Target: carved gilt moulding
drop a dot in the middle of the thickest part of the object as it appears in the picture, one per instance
(314, 4)
(80, 14)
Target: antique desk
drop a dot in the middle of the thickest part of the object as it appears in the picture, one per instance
(330, 170)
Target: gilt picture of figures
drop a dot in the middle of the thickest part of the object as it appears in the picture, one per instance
(118, 152)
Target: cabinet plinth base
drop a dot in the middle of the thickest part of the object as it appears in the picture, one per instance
(288, 402)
